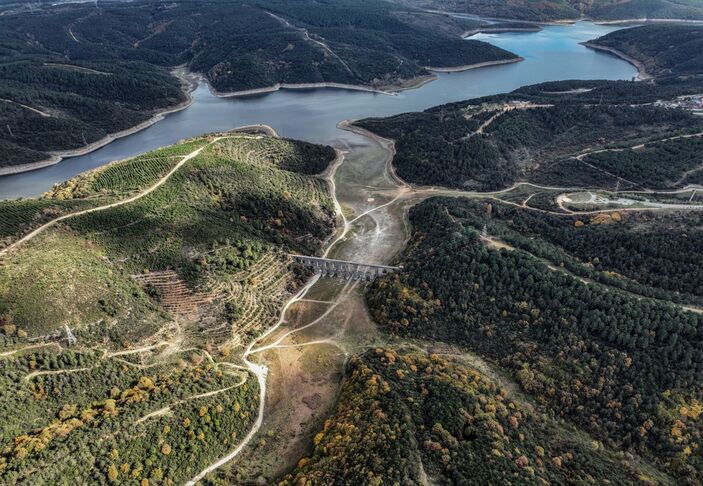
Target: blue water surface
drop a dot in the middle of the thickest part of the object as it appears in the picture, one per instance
(553, 54)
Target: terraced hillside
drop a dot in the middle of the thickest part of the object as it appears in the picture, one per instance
(180, 262)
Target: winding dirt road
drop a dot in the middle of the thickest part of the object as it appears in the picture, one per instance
(361, 233)
(122, 202)
(136, 197)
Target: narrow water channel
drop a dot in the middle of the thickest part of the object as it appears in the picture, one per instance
(303, 371)
(331, 323)
(552, 54)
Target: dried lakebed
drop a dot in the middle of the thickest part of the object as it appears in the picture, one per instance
(327, 321)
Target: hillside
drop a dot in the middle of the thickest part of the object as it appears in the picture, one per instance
(625, 369)
(161, 292)
(545, 138)
(665, 50)
(550, 10)
(72, 74)
(404, 416)
(637, 135)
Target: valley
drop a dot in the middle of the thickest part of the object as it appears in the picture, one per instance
(77, 75)
(607, 11)
(478, 361)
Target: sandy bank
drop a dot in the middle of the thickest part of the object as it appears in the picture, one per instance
(499, 30)
(643, 74)
(474, 66)
(259, 127)
(389, 90)
(280, 86)
(386, 143)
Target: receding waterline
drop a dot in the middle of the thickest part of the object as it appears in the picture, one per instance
(550, 55)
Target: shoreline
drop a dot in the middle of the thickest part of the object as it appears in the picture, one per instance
(387, 143)
(477, 65)
(267, 129)
(642, 74)
(58, 156)
(488, 18)
(566, 21)
(646, 21)
(283, 86)
(499, 30)
(189, 84)
(390, 90)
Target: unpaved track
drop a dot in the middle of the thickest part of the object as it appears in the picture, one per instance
(136, 197)
(580, 157)
(166, 409)
(34, 374)
(5, 354)
(27, 107)
(260, 370)
(308, 38)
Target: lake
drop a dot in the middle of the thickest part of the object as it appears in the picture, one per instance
(552, 54)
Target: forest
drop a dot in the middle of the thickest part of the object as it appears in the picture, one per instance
(48, 106)
(72, 74)
(489, 144)
(666, 50)
(663, 165)
(161, 293)
(404, 415)
(549, 10)
(624, 368)
(646, 253)
(75, 416)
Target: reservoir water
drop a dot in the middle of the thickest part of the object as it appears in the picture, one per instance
(552, 54)
(332, 322)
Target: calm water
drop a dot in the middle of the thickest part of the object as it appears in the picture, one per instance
(552, 54)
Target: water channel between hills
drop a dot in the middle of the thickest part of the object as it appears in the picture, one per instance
(312, 115)
(332, 322)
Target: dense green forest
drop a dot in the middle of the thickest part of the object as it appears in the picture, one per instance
(547, 10)
(161, 294)
(626, 369)
(647, 253)
(72, 74)
(404, 416)
(666, 50)
(535, 132)
(489, 144)
(660, 165)
(49, 104)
